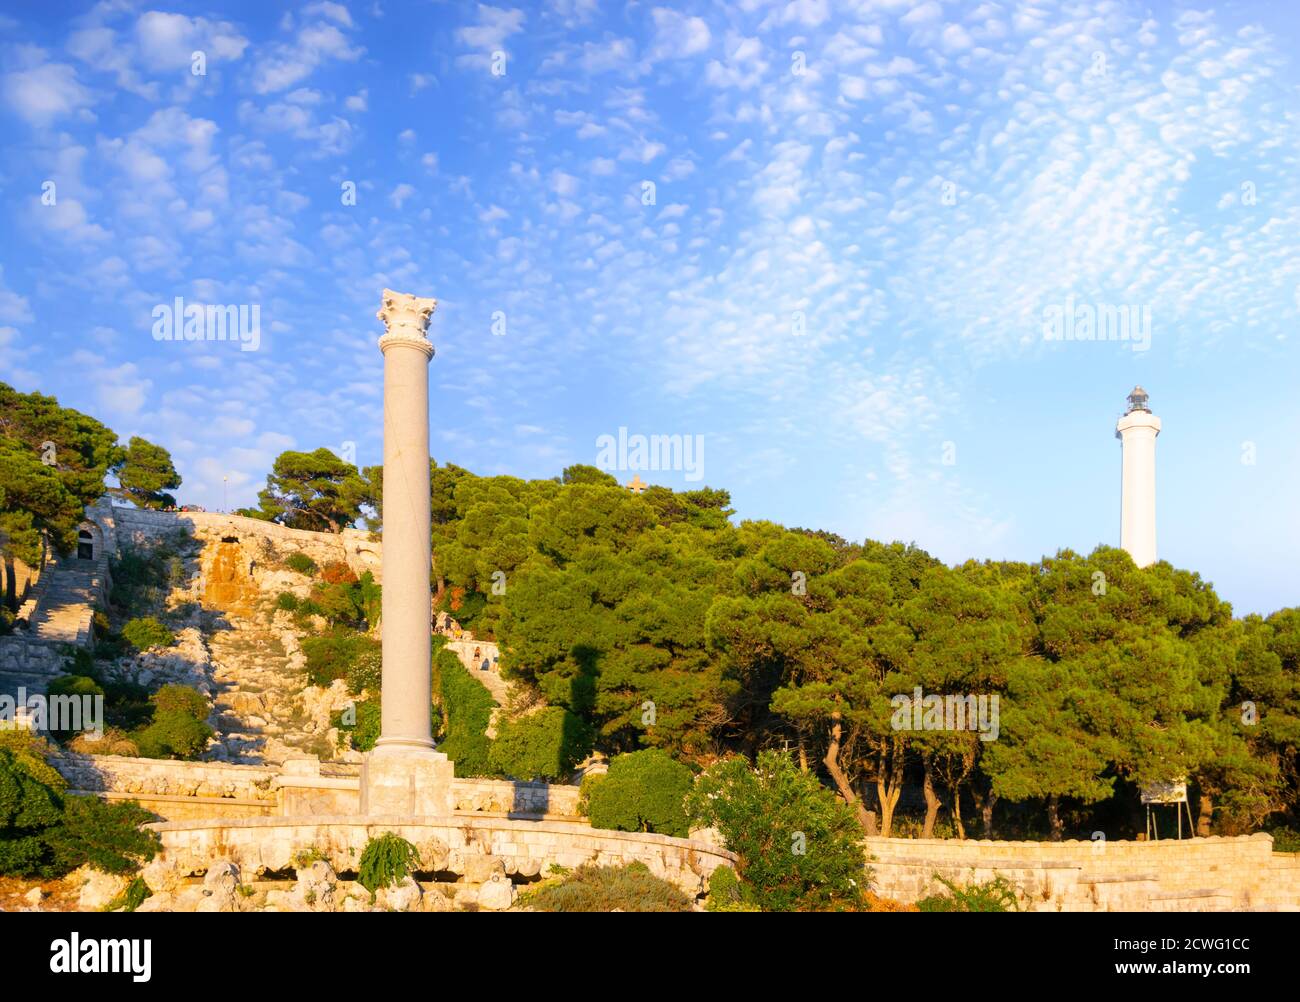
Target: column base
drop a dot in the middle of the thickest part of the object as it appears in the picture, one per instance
(407, 781)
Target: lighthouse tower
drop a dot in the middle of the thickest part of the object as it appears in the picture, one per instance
(1137, 431)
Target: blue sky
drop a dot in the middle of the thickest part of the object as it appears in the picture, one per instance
(860, 213)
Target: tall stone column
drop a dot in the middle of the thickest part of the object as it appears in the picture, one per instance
(1137, 431)
(404, 775)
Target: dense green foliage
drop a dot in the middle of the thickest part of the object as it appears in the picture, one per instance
(53, 461)
(146, 474)
(301, 563)
(643, 791)
(542, 745)
(145, 632)
(590, 888)
(334, 654)
(800, 848)
(44, 832)
(386, 861)
(996, 895)
(178, 728)
(466, 711)
(316, 491)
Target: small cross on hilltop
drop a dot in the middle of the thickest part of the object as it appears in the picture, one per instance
(636, 485)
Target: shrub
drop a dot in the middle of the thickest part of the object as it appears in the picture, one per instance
(996, 895)
(725, 893)
(337, 572)
(145, 632)
(542, 745)
(287, 601)
(44, 832)
(630, 888)
(799, 845)
(106, 835)
(332, 655)
(75, 685)
(367, 672)
(31, 801)
(180, 699)
(301, 563)
(364, 726)
(173, 734)
(643, 791)
(71, 691)
(466, 711)
(114, 741)
(1285, 840)
(132, 897)
(386, 861)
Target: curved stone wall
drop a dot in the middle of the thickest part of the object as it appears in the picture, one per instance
(448, 845)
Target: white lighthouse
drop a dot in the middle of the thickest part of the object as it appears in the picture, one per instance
(1137, 431)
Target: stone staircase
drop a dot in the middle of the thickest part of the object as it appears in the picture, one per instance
(65, 610)
(59, 612)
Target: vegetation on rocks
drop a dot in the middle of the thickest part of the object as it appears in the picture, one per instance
(591, 888)
(385, 861)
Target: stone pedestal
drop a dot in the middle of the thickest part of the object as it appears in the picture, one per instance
(406, 782)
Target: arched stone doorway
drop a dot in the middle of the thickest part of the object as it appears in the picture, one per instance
(89, 541)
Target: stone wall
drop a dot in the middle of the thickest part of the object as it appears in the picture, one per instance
(174, 790)
(459, 845)
(499, 796)
(189, 790)
(1199, 874)
(353, 546)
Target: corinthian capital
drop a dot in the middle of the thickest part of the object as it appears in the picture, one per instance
(406, 318)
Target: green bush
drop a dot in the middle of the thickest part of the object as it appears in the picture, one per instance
(996, 895)
(724, 891)
(466, 712)
(287, 601)
(542, 745)
(132, 897)
(105, 835)
(332, 655)
(75, 685)
(385, 861)
(1285, 840)
(799, 845)
(301, 563)
(173, 734)
(630, 888)
(45, 833)
(364, 726)
(181, 699)
(643, 791)
(367, 672)
(145, 632)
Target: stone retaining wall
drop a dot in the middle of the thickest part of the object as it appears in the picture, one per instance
(504, 796)
(460, 845)
(1199, 874)
(191, 790)
(353, 546)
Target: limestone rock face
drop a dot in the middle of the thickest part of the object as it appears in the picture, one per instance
(97, 888)
(316, 886)
(478, 869)
(497, 894)
(220, 888)
(405, 896)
